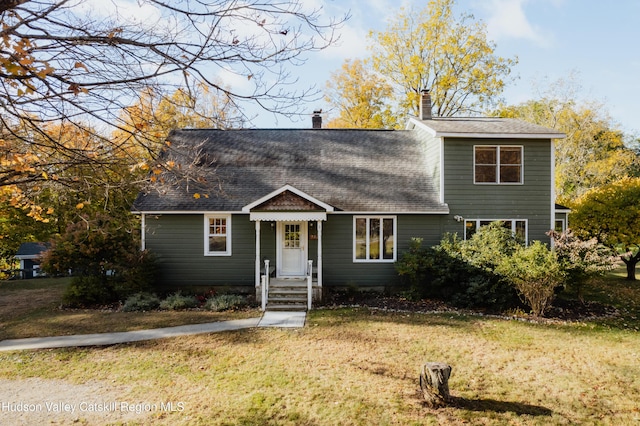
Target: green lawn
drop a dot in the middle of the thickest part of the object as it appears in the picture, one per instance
(359, 367)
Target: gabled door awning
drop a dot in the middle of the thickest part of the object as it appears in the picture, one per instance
(287, 204)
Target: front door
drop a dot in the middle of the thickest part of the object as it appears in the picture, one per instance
(292, 249)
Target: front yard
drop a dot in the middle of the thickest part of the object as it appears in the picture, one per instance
(351, 366)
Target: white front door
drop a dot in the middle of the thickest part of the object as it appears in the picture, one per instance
(292, 249)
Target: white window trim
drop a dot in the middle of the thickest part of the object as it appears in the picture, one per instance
(513, 226)
(395, 239)
(227, 252)
(497, 182)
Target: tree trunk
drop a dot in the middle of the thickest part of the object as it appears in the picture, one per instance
(631, 265)
(434, 382)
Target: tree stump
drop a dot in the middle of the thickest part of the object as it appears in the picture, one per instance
(434, 382)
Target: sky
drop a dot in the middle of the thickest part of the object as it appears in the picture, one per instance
(596, 41)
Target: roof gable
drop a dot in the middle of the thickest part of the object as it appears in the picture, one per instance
(287, 198)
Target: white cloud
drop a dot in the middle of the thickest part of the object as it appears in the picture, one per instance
(507, 19)
(130, 11)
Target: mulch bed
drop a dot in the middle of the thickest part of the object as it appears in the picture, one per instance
(562, 310)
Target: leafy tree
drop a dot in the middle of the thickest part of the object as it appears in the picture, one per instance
(451, 57)
(360, 97)
(611, 213)
(594, 152)
(103, 254)
(62, 63)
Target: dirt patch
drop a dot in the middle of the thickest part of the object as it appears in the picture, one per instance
(39, 401)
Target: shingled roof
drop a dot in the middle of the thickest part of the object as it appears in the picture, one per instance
(486, 127)
(351, 170)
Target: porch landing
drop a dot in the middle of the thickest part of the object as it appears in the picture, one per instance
(283, 319)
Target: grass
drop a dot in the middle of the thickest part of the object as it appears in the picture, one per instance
(359, 367)
(31, 308)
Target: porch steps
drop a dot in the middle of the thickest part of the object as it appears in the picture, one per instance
(287, 295)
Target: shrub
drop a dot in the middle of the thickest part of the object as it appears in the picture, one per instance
(536, 273)
(461, 272)
(138, 275)
(581, 259)
(104, 251)
(178, 301)
(85, 291)
(225, 302)
(141, 302)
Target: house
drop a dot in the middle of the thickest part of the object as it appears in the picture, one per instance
(29, 255)
(338, 206)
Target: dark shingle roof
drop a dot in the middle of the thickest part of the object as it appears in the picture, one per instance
(32, 249)
(352, 170)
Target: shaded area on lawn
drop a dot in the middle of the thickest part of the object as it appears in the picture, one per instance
(499, 406)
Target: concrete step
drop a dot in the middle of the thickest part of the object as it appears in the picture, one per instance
(286, 307)
(290, 300)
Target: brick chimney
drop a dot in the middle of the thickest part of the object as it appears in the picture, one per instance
(316, 120)
(425, 105)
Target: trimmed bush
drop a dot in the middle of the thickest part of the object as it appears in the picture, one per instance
(141, 302)
(178, 301)
(536, 273)
(225, 302)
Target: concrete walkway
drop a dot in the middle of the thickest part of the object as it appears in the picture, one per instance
(281, 319)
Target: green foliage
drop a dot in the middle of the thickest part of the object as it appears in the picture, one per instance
(461, 272)
(178, 301)
(138, 274)
(225, 302)
(141, 302)
(536, 273)
(90, 290)
(489, 246)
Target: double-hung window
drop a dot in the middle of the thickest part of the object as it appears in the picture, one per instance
(374, 239)
(217, 235)
(498, 164)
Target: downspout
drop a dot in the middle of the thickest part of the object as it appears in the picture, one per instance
(143, 232)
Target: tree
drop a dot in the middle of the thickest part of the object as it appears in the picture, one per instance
(65, 64)
(360, 96)
(611, 213)
(451, 57)
(594, 153)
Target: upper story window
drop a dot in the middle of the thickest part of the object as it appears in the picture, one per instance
(217, 235)
(374, 239)
(498, 164)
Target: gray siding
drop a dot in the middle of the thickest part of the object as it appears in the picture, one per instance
(530, 200)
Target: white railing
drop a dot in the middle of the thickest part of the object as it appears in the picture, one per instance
(309, 284)
(265, 284)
